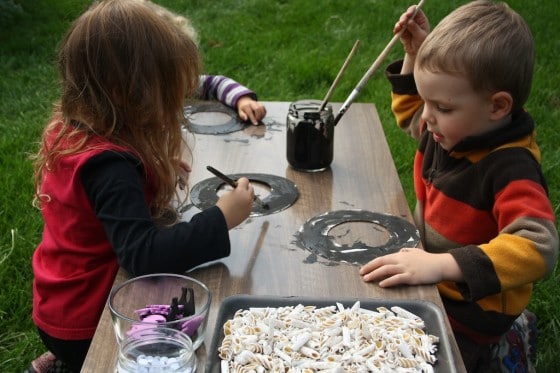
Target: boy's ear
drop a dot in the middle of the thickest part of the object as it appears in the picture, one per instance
(502, 102)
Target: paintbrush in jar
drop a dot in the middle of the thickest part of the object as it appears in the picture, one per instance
(338, 76)
(361, 84)
(233, 184)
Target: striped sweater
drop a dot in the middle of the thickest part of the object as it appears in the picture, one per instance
(486, 203)
(223, 89)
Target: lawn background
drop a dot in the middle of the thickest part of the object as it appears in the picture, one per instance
(285, 50)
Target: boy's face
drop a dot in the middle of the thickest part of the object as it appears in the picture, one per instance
(452, 110)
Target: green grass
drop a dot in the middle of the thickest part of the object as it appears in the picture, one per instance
(285, 50)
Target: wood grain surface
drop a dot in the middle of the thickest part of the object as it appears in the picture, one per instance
(265, 259)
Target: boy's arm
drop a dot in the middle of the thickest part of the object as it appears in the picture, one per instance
(525, 251)
(406, 104)
(526, 248)
(416, 31)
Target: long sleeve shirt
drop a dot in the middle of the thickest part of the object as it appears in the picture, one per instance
(223, 89)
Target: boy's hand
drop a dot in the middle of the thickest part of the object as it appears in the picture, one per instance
(416, 30)
(250, 110)
(411, 266)
(236, 205)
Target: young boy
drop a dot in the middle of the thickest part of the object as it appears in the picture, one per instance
(487, 225)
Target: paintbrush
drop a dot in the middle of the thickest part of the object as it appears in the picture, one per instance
(338, 76)
(233, 184)
(361, 84)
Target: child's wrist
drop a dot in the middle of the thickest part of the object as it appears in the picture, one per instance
(450, 270)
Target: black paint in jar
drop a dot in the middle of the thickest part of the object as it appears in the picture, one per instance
(310, 136)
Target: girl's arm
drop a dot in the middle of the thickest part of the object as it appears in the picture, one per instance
(114, 183)
(233, 94)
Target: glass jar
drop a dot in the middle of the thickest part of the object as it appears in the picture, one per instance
(157, 349)
(310, 136)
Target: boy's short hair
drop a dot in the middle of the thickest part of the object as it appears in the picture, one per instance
(488, 43)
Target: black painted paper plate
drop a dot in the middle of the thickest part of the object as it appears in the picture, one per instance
(429, 312)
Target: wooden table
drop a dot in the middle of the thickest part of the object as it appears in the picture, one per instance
(264, 259)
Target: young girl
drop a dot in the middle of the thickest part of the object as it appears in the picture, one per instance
(216, 87)
(107, 171)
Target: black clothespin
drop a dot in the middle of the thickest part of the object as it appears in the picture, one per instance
(187, 301)
(174, 310)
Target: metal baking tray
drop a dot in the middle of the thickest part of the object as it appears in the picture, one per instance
(429, 312)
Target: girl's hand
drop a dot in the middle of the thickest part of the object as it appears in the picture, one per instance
(417, 30)
(250, 110)
(411, 266)
(236, 205)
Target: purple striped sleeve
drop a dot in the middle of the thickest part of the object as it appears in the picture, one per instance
(223, 89)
